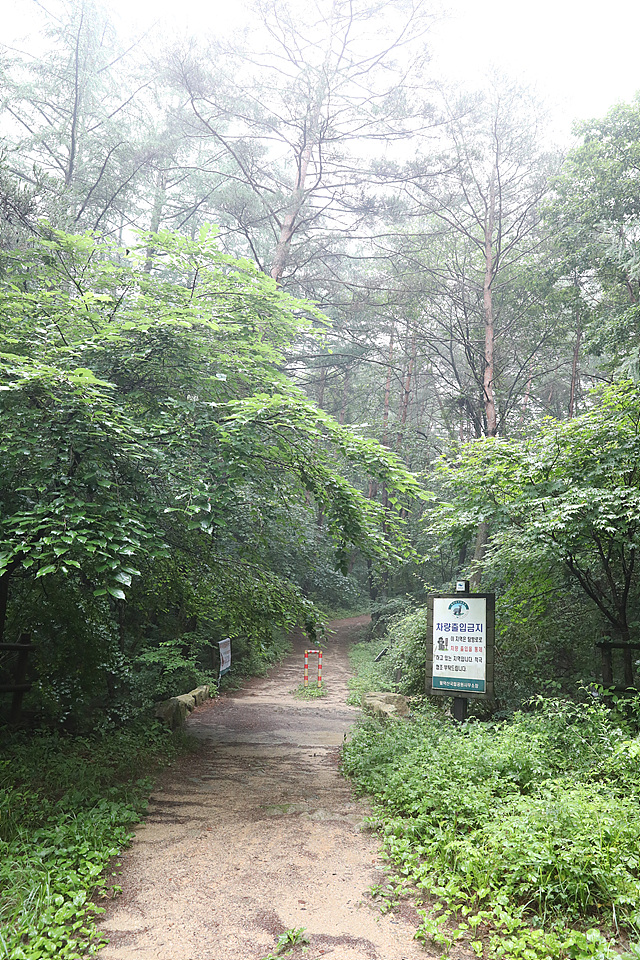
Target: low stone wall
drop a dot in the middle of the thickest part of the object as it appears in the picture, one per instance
(175, 710)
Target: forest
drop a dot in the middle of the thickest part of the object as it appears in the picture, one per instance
(289, 328)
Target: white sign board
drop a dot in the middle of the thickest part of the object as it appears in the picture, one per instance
(225, 656)
(460, 644)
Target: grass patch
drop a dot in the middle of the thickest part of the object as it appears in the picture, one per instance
(525, 833)
(312, 692)
(67, 806)
(367, 674)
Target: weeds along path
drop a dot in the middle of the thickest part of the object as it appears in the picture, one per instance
(258, 833)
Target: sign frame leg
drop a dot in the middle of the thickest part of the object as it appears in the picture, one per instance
(460, 707)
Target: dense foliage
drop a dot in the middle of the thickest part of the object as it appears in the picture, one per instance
(66, 809)
(563, 506)
(155, 453)
(525, 832)
(475, 281)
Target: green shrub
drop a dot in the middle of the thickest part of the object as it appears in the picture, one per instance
(385, 612)
(529, 827)
(408, 638)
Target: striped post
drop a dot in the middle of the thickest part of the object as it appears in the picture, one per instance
(306, 666)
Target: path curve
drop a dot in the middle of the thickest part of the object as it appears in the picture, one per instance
(258, 833)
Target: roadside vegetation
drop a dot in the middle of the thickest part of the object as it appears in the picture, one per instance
(67, 807)
(521, 837)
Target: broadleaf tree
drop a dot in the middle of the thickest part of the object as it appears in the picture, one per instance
(565, 499)
(148, 418)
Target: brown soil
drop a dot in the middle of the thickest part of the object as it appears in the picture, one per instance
(258, 833)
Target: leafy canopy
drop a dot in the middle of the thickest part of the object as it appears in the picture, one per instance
(569, 494)
(145, 409)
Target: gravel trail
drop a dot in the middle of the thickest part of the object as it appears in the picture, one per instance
(258, 833)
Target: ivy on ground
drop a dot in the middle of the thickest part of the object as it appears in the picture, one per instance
(67, 807)
(525, 833)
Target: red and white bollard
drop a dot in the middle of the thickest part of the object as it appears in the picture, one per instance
(306, 666)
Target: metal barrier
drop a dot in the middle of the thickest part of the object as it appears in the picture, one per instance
(306, 666)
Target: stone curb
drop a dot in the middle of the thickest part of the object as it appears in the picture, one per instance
(175, 710)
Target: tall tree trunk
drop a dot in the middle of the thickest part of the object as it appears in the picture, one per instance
(525, 399)
(321, 386)
(373, 589)
(487, 301)
(574, 372)
(406, 388)
(75, 109)
(482, 536)
(156, 216)
(628, 667)
(4, 594)
(627, 655)
(345, 398)
(387, 389)
(287, 228)
(4, 599)
(311, 140)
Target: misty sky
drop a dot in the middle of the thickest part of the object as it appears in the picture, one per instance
(581, 56)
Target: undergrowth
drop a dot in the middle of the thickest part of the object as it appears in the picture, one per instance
(287, 942)
(312, 692)
(525, 834)
(367, 674)
(254, 659)
(67, 806)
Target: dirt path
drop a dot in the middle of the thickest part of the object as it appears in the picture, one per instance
(257, 834)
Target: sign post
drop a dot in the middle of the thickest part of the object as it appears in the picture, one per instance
(460, 644)
(224, 646)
